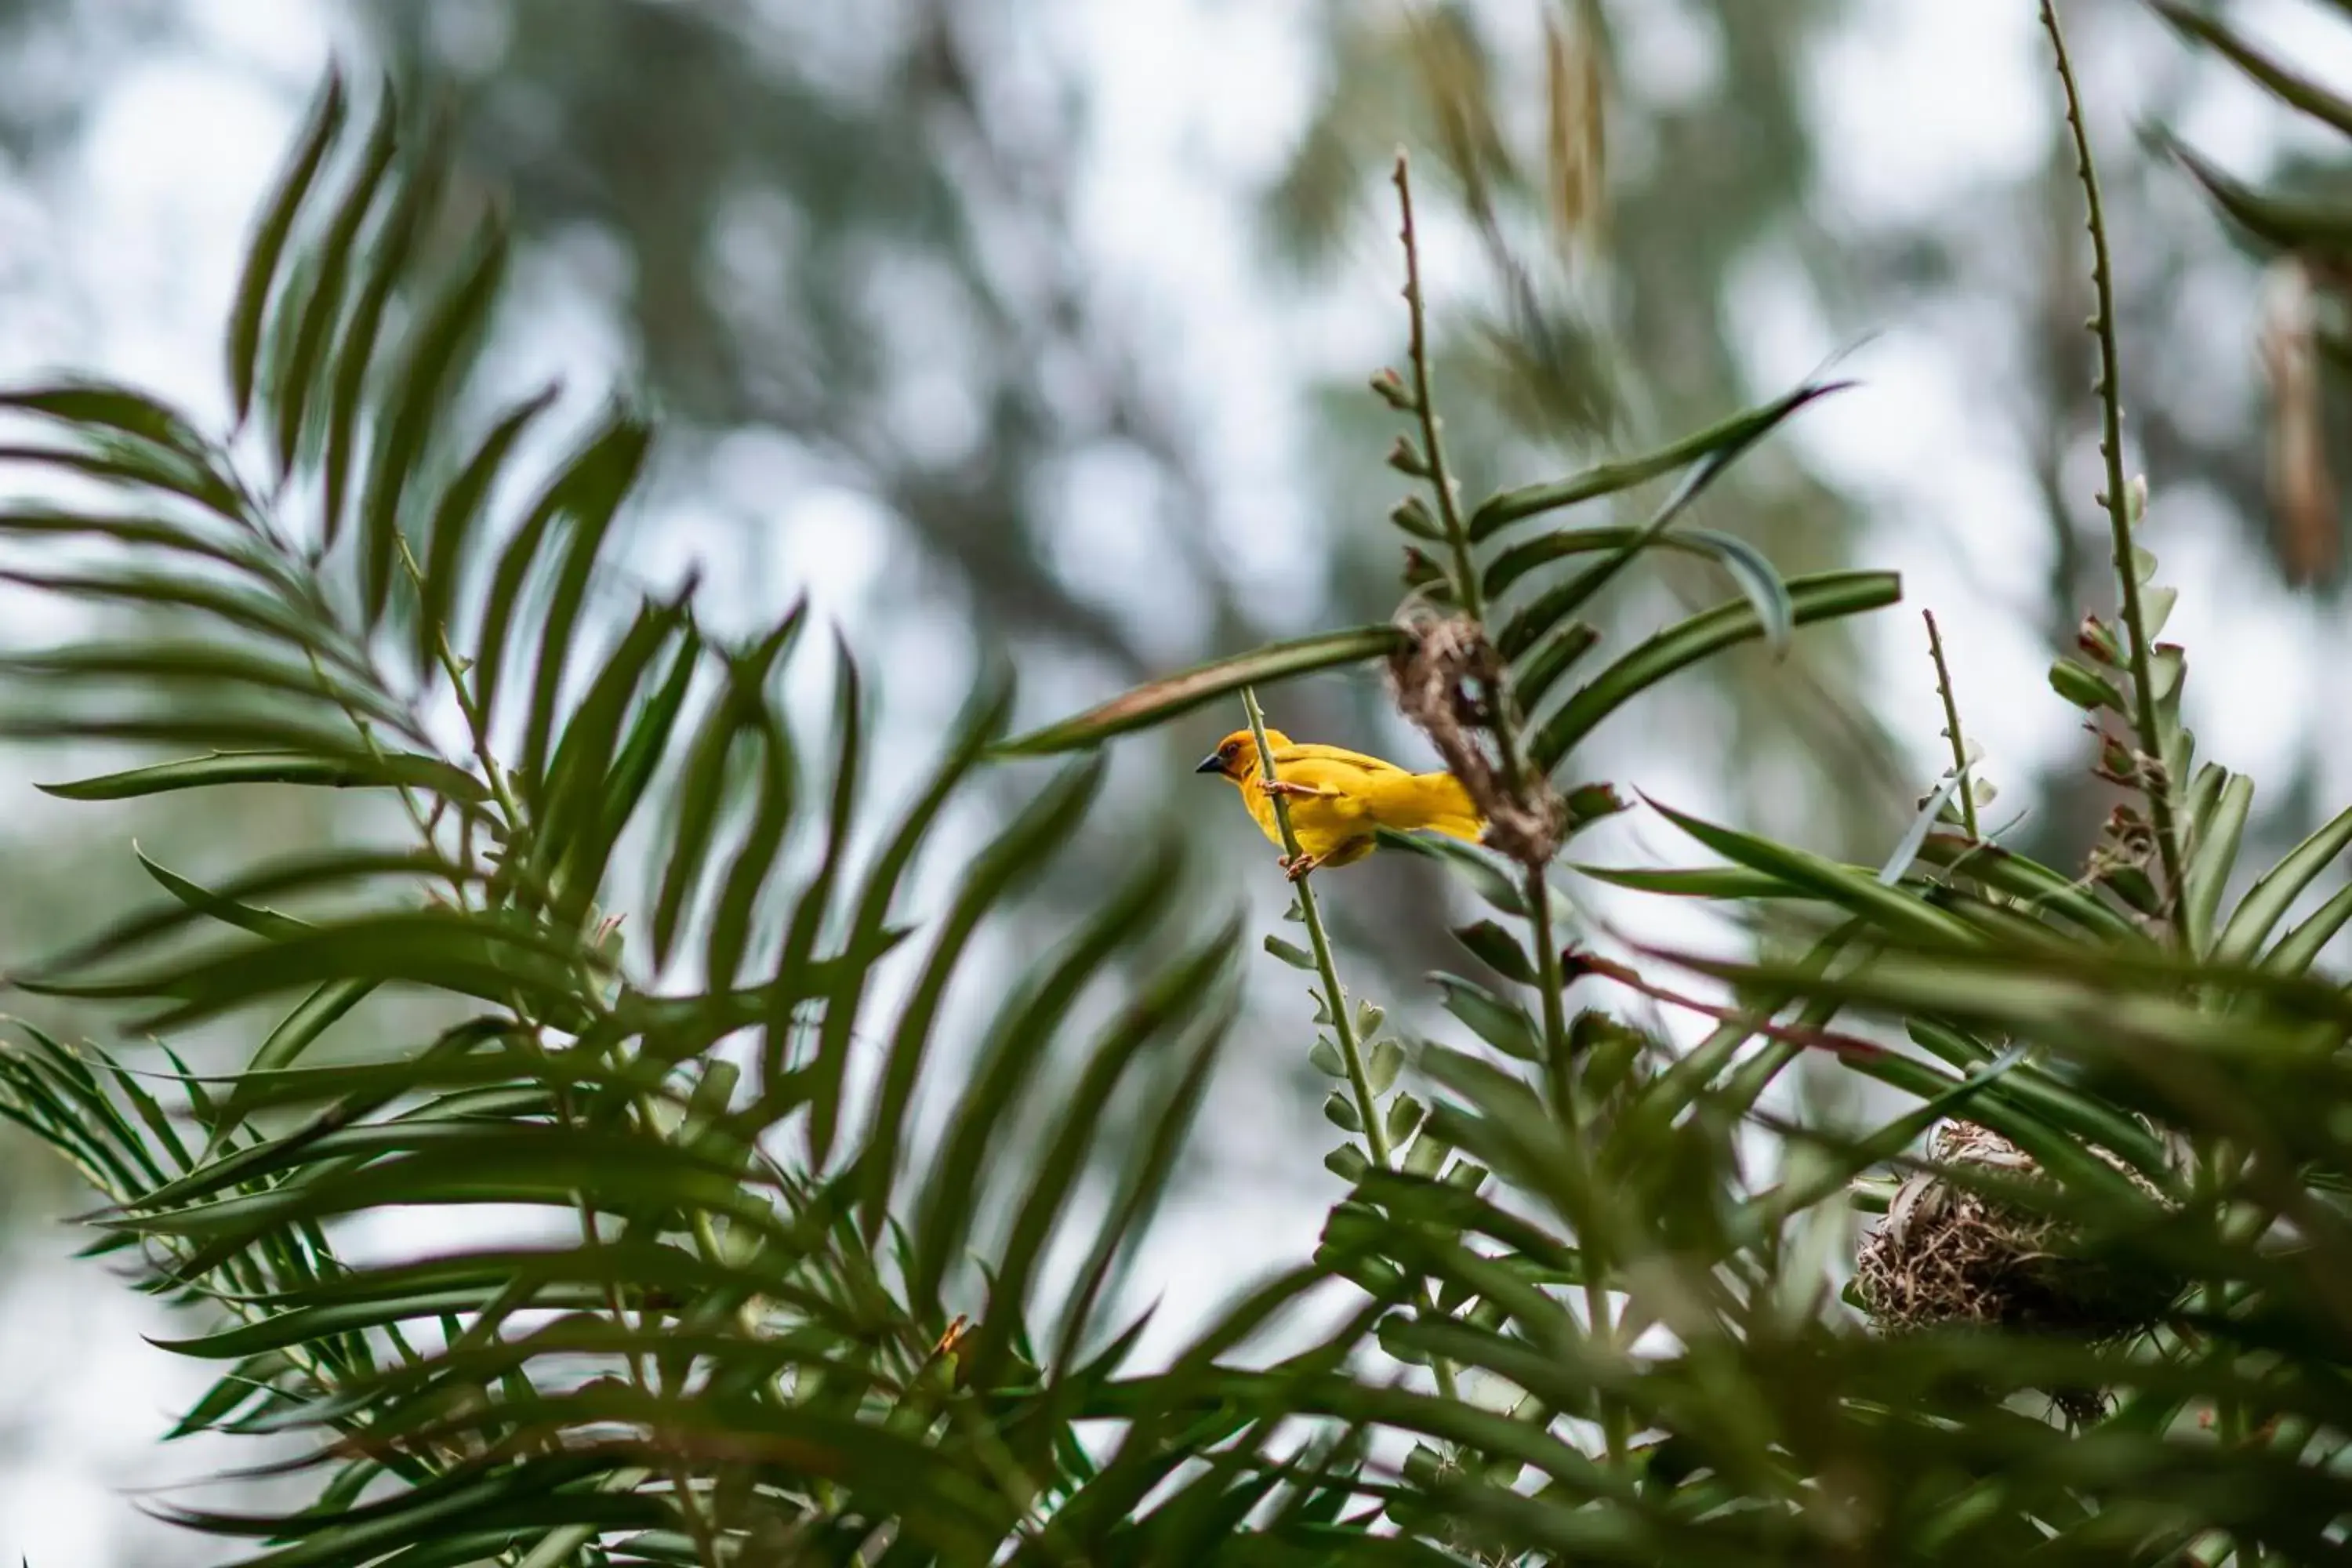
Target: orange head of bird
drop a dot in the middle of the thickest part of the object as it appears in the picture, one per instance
(1237, 755)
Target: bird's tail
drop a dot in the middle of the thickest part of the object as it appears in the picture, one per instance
(1436, 802)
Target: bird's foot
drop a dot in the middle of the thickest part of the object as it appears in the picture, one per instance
(1297, 790)
(1297, 867)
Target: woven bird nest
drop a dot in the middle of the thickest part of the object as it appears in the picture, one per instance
(1947, 1255)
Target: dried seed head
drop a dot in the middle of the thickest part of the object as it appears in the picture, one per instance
(1446, 681)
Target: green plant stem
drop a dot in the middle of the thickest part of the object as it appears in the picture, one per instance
(1469, 589)
(1343, 1027)
(1967, 792)
(1470, 592)
(1551, 982)
(1567, 1105)
(2159, 787)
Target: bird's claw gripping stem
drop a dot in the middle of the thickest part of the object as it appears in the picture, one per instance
(1297, 790)
(1294, 869)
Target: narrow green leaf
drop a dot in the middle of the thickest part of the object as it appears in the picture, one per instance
(1716, 445)
(699, 793)
(1507, 568)
(143, 533)
(456, 519)
(740, 709)
(266, 616)
(468, 1161)
(1193, 990)
(166, 664)
(1503, 1024)
(383, 771)
(1528, 625)
(1822, 597)
(1857, 891)
(1727, 882)
(1012, 1055)
(1290, 953)
(313, 325)
(305, 1324)
(122, 461)
(473, 954)
(149, 1110)
(2213, 855)
(192, 905)
(1487, 872)
(1498, 950)
(2115, 1004)
(2298, 949)
(1143, 1179)
(52, 1092)
(590, 804)
(479, 1512)
(1163, 699)
(1381, 1065)
(2285, 223)
(754, 860)
(813, 907)
(202, 901)
(1533, 678)
(429, 374)
(295, 1034)
(223, 730)
(981, 722)
(93, 406)
(576, 487)
(2267, 901)
(2287, 86)
(1750, 568)
(1758, 579)
(598, 487)
(2006, 871)
(419, 188)
(239, 1386)
(1017, 854)
(1340, 1112)
(253, 289)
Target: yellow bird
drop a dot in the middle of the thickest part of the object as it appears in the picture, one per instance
(1338, 797)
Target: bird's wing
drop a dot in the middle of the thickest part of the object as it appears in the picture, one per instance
(1422, 800)
(1284, 755)
(1339, 775)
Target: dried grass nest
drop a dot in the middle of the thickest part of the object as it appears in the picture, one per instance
(1945, 1255)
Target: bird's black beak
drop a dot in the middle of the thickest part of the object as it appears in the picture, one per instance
(1211, 764)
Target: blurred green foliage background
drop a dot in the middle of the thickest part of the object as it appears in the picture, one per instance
(1038, 329)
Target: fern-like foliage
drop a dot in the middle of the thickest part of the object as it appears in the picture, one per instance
(738, 1338)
